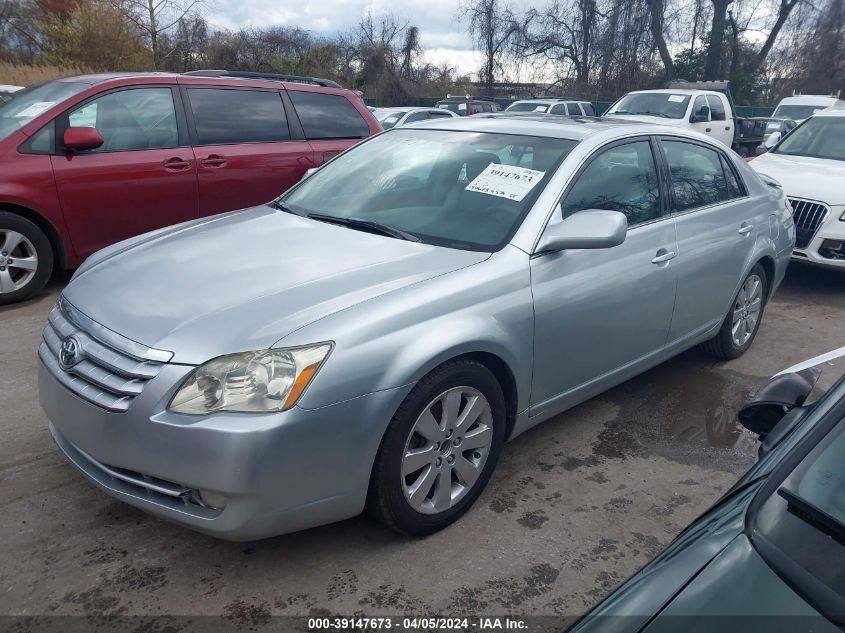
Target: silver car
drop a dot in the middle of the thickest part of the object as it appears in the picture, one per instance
(374, 336)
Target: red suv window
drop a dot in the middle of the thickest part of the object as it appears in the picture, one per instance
(328, 116)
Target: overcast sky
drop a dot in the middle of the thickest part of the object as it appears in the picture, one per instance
(441, 35)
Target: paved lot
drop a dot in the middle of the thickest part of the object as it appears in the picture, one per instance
(575, 506)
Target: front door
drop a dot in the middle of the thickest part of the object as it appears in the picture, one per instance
(143, 177)
(717, 227)
(603, 315)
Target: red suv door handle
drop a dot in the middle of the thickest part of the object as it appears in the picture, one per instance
(176, 164)
(213, 160)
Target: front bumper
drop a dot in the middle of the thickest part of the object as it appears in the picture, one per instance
(279, 472)
(827, 248)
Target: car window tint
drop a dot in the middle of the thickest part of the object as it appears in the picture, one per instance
(700, 102)
(237, 116)
(622, 178)
(573, 109)
(439, 115)
(698, 179)
(717, 108)
(735, 190)
(328, 116)
(559, 108)
(417, 116)
(140, 118)
(589, 110)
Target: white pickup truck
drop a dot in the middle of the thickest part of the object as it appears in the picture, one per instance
(702, 106)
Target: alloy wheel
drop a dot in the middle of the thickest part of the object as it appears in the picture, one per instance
(746, 312)
(446, 449)
(18, 261)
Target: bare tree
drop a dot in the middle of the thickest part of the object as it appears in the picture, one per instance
(156, 18)
(713, 61)
(657, 10)
(494, 29)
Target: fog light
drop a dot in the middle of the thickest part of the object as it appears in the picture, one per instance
(832, 249)
(213, 500)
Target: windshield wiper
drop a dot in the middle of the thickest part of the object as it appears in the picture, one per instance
(281, 206)
(813, 514)
(366, 225)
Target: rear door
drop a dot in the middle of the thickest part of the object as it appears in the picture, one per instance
(243, 147)
(329, 121)
(717, 226)
(143, 177)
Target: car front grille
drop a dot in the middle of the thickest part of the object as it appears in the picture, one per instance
(98, 365)
(808, 217)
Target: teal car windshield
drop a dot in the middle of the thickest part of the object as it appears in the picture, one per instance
(27, 104)
(467, 190)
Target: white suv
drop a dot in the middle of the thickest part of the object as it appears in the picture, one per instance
(567, 107)
(810, 164)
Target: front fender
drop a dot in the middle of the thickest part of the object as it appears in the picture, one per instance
(397, 338)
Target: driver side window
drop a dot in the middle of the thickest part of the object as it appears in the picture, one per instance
(139, 118)
(622, 178)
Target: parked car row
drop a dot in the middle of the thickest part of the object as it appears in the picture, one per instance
(88, 161)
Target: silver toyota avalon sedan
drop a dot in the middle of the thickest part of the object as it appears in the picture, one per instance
(374, 336)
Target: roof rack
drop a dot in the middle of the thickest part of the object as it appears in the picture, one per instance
(474, 97)
(247, 74)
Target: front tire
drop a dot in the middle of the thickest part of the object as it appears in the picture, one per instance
(26, 258)
(439, 449)
(743, 320)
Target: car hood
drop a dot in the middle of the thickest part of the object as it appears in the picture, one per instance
(737, 586)
(647, 119)
(804, 177)
(244, 281)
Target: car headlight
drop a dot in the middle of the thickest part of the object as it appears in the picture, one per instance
(250, 382)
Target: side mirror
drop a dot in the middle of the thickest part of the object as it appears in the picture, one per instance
(771, 140)
(702, 115)
(776, 399)
(78, 139)
(593, 228)
(760, 149)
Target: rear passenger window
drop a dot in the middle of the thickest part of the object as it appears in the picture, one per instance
(698, 177)
(224, 117)
(717, 108)
(588, 109)
(735, 190)
(573, 109)
(328, 116)
(560, 108)
(623, 178)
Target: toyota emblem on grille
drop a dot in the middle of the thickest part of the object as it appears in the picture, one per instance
(70, 353)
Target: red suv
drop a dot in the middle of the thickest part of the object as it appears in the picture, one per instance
(88, 161)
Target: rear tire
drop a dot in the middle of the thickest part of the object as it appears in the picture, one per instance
(439, 449)
(26, 258)
(743, 320)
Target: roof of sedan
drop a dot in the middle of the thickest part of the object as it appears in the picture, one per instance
(536, 124)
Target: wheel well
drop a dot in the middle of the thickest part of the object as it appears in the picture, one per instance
(506, 380)
(43, 224)
(768, 265)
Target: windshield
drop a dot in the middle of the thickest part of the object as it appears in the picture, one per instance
(797, 112)
(822, 485)
(459, 189)
(660, 104)
(528, 107)
(27, 104)
(821, 137)
(389, 118)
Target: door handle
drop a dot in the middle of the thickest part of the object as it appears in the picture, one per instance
(213, 160)
(745, 229)
(663, 256)
(707, 129)
(176, 164)
(728, 127)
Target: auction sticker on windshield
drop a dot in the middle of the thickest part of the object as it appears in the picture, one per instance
(35, 109)
(506, 181)
(676, 98)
